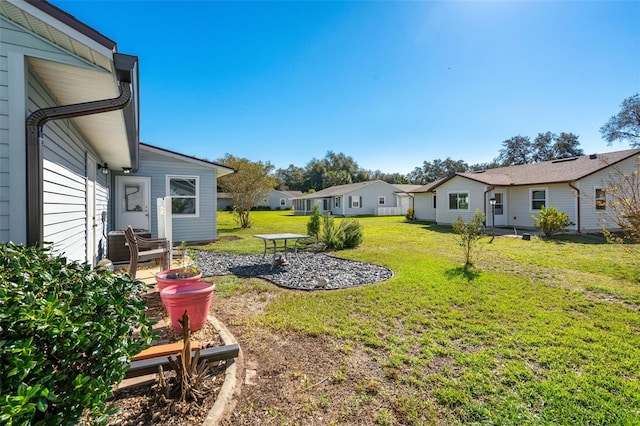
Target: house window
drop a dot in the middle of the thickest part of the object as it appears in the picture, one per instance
(538, 198)
(336, 202)
(355, 202)
(283, 202)
(601, 200)
(459, 201)
(381, 201)
(184, 191)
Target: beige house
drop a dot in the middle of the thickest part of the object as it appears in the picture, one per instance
(573, 185)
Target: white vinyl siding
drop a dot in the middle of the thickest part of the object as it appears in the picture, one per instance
(592, 218)
(423, 207)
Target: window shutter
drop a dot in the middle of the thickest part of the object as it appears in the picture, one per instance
(360, 202)
(349, 201)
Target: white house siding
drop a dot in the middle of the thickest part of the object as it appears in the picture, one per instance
(519, 203)
(369, 196)
(272, 200)
(157, 167)
(64, 180)
(458, 184)
(423, 206)
(64, 150)
(590, 218)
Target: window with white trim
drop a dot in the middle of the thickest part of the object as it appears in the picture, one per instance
(283, 202)
(355, 202)
(538, 198)
(184, 192)
(601, 199)
(381, 200)
(458, 201)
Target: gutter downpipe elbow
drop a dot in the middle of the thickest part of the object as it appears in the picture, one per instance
(35, 141)
(578, 209)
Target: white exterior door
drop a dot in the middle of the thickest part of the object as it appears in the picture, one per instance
(133, 200)
(500, 208)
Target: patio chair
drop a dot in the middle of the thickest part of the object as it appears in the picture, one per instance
(144, 249)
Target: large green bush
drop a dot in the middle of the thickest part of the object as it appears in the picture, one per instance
(551, 221)
(66, 336)
(348, 234)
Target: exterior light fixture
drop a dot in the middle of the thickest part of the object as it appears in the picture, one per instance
(126, 170)
(104, 167)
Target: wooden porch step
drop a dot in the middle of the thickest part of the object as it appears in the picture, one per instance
(143, 367)
(164, 350)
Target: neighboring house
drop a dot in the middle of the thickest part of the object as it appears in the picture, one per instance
(279, 200)
(573, 185)
(190, 181)
(225, 202)
(363, 198)
(49, 59)
(274, 200)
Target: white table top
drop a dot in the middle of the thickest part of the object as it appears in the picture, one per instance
(272, 237)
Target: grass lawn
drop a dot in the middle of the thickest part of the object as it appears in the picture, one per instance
(539, 332)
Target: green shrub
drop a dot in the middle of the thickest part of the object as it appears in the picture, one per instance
(468, 234)
(315, 221)
(352, 231)
(551, 221)
(66, 336)
(332, 234)
(410, 214)
(348, 234)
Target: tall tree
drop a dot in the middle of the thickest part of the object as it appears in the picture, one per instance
(314, 174)
(566, 145)
(516, 151)
(291, 178)
(542, 147)
(247, 186)
(438, 169)
(624, 126)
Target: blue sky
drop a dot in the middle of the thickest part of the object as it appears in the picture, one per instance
(391, 84)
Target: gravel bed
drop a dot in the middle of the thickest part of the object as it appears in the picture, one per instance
(314, 271)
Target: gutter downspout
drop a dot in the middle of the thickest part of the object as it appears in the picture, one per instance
(35, 142)
(578, 194)
(484, 204)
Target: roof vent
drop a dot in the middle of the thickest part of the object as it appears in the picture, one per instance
(563, 160)
(593, 156)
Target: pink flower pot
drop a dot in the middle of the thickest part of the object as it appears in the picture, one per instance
(171, 277)
(194, 297)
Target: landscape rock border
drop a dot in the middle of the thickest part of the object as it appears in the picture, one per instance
(312, 271)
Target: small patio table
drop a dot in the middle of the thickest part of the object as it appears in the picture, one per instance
(274, 238)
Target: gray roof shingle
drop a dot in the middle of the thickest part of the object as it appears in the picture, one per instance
(547, 172)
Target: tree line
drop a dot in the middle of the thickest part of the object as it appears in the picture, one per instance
(339, 168)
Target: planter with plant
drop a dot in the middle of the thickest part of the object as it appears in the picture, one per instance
(189, 272)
